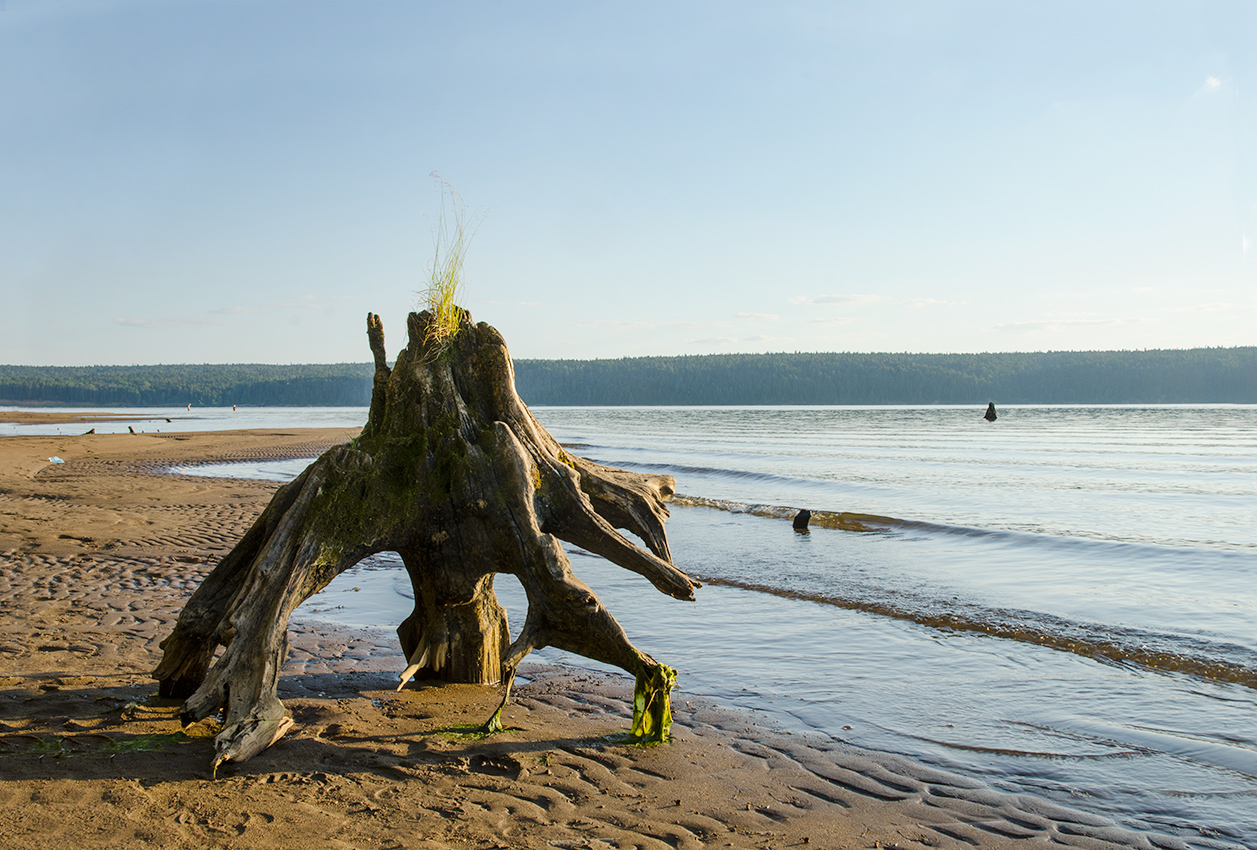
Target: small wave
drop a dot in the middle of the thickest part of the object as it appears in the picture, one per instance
(857, 521)
(1005, 751)
(1233, 755)
(841, 520)
(720, 472)
(1109, 645)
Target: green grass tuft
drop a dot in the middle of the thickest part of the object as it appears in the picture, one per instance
(445, 276)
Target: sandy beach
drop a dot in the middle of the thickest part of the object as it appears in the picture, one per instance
(99, 553)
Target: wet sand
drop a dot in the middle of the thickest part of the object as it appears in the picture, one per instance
(98, 555)
(56, 417)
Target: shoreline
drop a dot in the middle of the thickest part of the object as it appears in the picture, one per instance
(98, 555)
(64, 417)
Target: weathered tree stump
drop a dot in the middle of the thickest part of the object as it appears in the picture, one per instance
(452, 472)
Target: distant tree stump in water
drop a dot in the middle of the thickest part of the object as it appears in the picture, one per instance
(452, 472)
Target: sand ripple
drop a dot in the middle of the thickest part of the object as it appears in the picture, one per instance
(97, 558)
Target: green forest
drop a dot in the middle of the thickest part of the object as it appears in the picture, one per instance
(205, 385)
(1199, 375)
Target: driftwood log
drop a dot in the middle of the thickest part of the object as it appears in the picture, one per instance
(453, 473)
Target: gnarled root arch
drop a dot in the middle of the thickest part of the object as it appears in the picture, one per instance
(452, 472)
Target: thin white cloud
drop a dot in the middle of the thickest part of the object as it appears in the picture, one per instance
(1212, 307)
(515, 303)
(169, 322)
(756, 339)
(831, 320)
(858, 298)
(767, 317)
(1046, 325)
(930, 302)
(146, 323)
(597, 324)
(1061, 323)
(1212, 85)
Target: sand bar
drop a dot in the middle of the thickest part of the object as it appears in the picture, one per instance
(59, 417)
(97, 556)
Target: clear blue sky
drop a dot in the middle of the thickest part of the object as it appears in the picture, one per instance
(244, 181)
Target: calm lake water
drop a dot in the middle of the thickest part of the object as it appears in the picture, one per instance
(1060, 603)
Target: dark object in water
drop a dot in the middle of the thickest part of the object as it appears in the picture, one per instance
(131, 429)
(93, 431)
(801, 520)
(990, 415)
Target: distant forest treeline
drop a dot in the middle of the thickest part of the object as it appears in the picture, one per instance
(1200, 375)
(205, 385)
(1085, 377)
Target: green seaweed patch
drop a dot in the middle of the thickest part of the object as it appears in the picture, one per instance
(628, 739)
(477, 731)
(494, 724)
(652, 707)
(28, 745)
(146, 743)
(64, 746)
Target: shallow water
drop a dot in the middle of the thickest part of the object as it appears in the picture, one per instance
(1059, 602)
